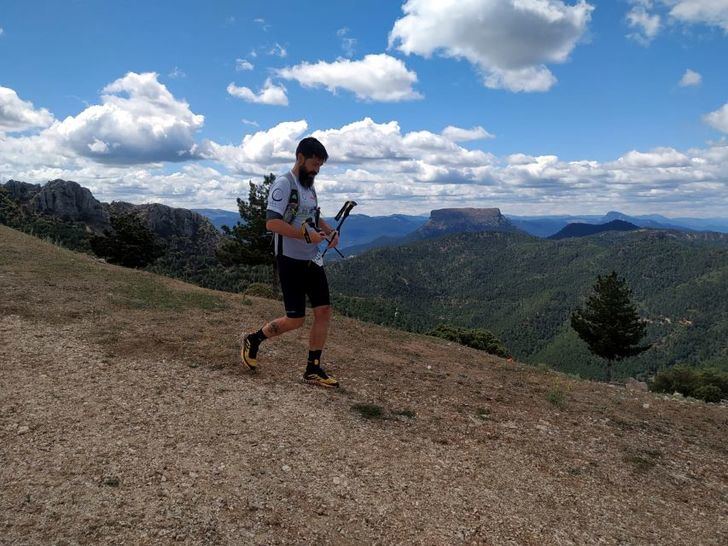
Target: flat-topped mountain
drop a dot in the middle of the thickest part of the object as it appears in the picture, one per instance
(473, 220)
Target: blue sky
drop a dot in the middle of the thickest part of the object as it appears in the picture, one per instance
(533, 106)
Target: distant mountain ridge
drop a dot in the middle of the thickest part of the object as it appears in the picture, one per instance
(584, 230)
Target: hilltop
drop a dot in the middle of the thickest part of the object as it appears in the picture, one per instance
(125, 417)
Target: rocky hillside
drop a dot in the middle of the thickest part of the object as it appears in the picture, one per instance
(69, 201)
(126, 418)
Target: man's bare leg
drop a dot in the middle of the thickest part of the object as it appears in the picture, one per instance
(320, 328)
(281, 326)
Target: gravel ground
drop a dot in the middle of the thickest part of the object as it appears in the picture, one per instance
(134, 425)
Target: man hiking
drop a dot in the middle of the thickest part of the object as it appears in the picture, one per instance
(293, 217)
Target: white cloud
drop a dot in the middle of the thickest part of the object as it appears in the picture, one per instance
(259, 152)
(646, 24)
(177, 73)
(690, 79)
(458, 134)
(718, 119)
(270, 94)
(243, 64)
(659, 157)
(278, 50)
(709, 12)
(19, 115)
(375, 77)
(139, 121)
(348, 44)
(250, 122)
(646, 16)
(511, 41)
(2, 31)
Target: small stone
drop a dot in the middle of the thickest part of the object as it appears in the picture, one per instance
(193, 474)
(23, 430)
(337, 480)
(646, 405)
(286, 468)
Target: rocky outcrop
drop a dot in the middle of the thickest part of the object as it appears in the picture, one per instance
(70, 201)
(444, 221)
(172, 224)
(22, 192)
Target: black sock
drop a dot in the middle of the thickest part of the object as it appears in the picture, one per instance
(258, 337)
(314, 359)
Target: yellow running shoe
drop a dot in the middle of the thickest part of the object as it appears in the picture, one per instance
(315, 375)
(249, 353)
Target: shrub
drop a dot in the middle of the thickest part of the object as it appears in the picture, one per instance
(476, 338)
(709, 393)
(557, 397)
(262, 290)
(706, 384)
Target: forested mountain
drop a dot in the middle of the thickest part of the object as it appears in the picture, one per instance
(584, 230)
(523, 289)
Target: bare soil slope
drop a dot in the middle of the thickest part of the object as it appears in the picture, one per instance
(125, 417)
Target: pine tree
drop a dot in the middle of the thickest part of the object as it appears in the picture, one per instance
(131, 243)
(248, 242)
(609, 323)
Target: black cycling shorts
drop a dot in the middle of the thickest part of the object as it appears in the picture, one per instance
(301, 278)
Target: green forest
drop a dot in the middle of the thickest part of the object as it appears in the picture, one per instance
(523, 290)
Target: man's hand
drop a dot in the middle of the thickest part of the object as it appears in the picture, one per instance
(316, 236)
(333, 238)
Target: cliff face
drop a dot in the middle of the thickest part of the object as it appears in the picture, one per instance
(21, 191)
(443, 221)
(69, 201)
(172, 223)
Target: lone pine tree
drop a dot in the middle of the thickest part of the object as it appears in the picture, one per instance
(248, 242)
(609, 322)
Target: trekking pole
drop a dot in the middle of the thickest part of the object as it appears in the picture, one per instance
(310, 223)
(342, 215)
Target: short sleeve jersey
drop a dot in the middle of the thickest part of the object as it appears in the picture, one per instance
(278, 198)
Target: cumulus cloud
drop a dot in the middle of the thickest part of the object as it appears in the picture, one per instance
(261, 151)
(139, 121)
(645, 24)
(659, 157)
(376, 77)
(19, 115)
(510, 41)
(690, 79)
(718, 119)
(270, 94)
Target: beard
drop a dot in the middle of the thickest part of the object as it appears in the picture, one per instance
(305, 177)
